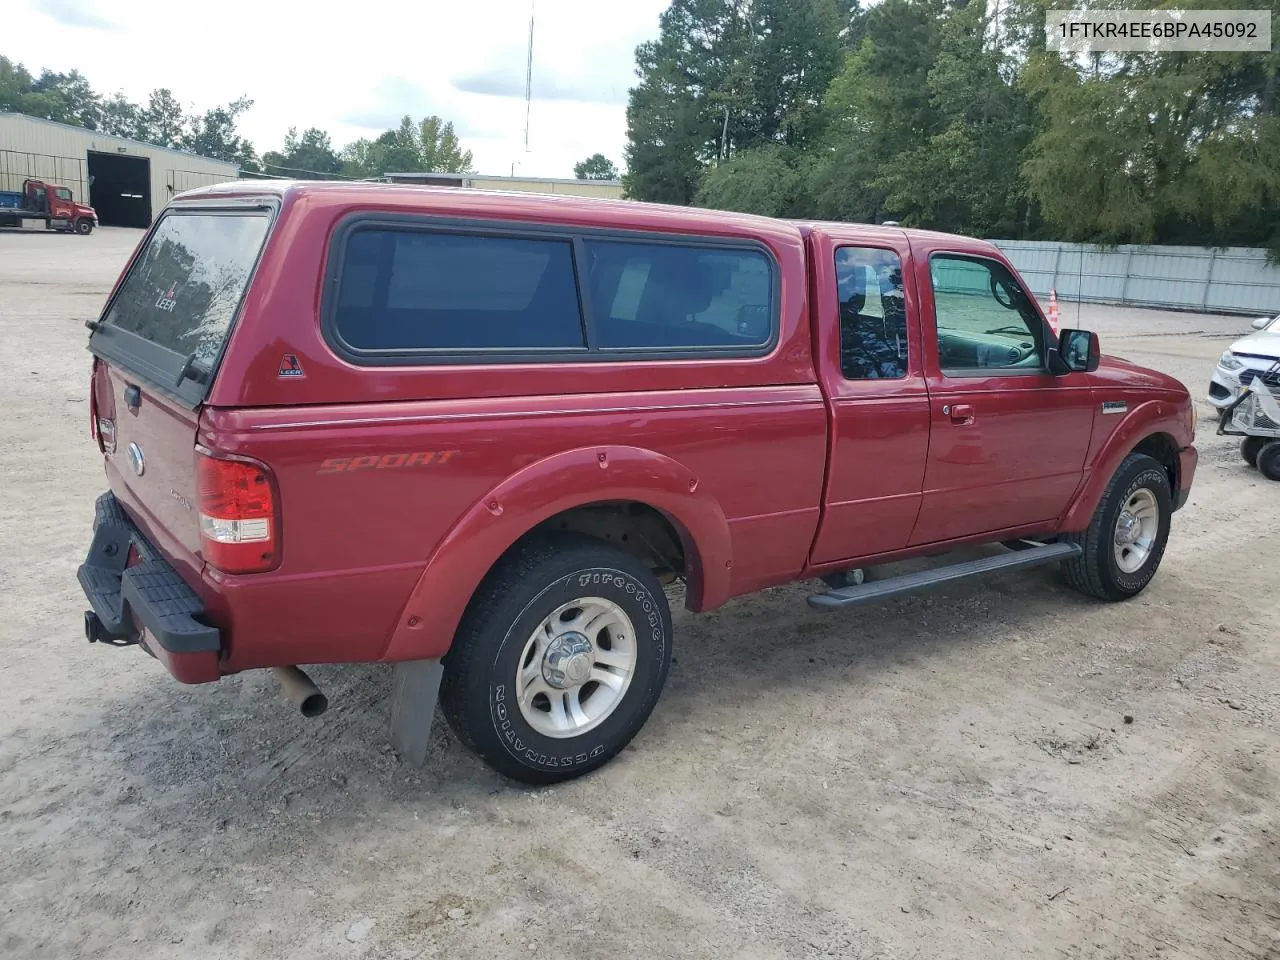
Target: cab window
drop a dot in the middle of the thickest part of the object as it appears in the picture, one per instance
(873, 314)
(985, 320)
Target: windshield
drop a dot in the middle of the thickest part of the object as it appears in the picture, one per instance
(184, 290)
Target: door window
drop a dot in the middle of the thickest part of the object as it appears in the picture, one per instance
(63, 194)
(985, 320)
(873, 314)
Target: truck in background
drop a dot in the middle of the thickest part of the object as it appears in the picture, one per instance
(50, 202)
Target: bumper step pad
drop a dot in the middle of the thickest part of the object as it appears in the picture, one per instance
(150, 592)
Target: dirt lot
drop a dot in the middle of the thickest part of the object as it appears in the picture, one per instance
(944, 776)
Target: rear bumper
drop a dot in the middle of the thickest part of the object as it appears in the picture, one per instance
(1188, 458)
(146, 602)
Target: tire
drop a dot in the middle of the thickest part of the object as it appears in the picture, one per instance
(84, 227)
(512, 629)
(1269, 460)
(845, 578)
(1139, 487)
(1250, 447)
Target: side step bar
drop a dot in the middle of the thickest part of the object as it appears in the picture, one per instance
(911, 582)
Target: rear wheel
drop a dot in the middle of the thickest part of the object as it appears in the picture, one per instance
(559, 660)
(1269, 460)
(1125, 541)
(84, 227)
(1250, 448)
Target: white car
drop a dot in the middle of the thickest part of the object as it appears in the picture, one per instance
(1246, 358)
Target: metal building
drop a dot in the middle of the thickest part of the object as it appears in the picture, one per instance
(609, 189)
(126, 182)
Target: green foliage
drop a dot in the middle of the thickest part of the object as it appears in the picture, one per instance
(68, 98)
(765, 180)
(952, 114)
(726, 76)
(596, 167)
(162, 121)
(213, 134)
(429, 146)
(307, 157)
(1165, 147)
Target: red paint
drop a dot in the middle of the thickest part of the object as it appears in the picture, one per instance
(52, 202)
(399, 487)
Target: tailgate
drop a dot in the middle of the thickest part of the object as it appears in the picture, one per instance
(158, 345)
(149, 445)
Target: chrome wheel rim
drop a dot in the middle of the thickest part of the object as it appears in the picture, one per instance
(1136, 530)
(576, 667)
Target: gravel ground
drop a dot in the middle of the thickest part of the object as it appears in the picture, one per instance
(951, 775)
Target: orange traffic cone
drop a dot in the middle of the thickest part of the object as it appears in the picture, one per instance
(1053, 310)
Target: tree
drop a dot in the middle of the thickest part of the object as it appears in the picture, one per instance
(213, 134)
(596, 167)
(796, 53)
(877, 109)
(691, 103)
(307, 157)
(1175, 147)
(71, 98)
(121, 117)
(725, 76)
(429, 146)
(764, 180)
(440, 149)
(64, 97)
(162, 121)
(965, 177)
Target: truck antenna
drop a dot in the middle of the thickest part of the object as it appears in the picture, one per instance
(528, 79)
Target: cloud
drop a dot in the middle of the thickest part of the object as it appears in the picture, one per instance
(508, 82)
(74, 13)
(394, 96)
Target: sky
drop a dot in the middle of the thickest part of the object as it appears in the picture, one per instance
(356, 72)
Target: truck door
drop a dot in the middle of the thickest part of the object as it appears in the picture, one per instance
(869, 360)
(37, 197)
(1009, 439)
(61, 203)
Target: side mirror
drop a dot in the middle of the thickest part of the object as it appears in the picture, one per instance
(1262, 322)
(1078, 351)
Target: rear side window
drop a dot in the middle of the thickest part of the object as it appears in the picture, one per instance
(185, 288)
(412, 290)
(663, 296)
(873, 314)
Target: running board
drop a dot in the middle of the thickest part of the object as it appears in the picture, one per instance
(911, 582)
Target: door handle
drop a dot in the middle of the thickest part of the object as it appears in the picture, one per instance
(960, 413)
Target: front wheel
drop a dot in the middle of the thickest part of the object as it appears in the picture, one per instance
(84, 227)
(559, 660)
(1268, 461)
(1126, 539)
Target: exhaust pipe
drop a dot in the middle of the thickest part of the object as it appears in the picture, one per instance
(300, 691)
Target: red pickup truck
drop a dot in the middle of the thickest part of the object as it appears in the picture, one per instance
(476, 435)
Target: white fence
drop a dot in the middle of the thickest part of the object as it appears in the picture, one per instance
(1233, 280)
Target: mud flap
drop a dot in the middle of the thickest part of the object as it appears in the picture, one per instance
(413, 708)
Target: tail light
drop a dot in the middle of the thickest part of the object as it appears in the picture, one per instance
(239, 516)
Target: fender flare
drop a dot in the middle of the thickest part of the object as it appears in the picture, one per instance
(538, 491)
(1142, 422)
